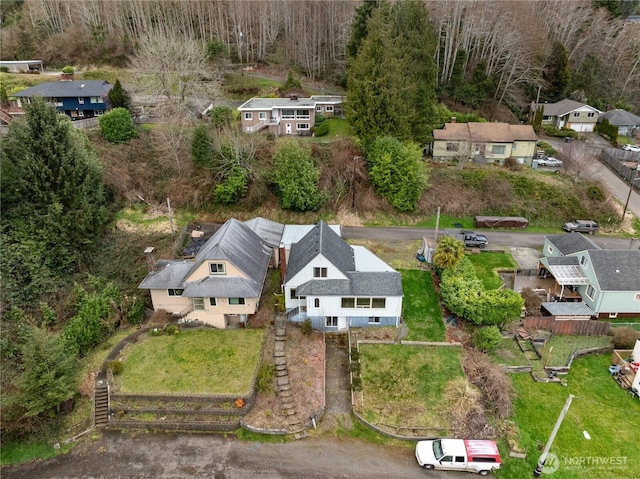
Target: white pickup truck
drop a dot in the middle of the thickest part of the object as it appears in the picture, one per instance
(478, 456)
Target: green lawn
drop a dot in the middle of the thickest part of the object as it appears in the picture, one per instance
(609, 414)
(403, 385)
(17, 452)
(564, 345)
(509, 354)
(202, 361)
(421, 307)
(486, 263)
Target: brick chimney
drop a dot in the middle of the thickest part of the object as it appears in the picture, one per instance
(151, 260)
(66, 77)
(453, 119)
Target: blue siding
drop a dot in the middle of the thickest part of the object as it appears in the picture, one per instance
(88, 108)
(318, 322)
(360, 322)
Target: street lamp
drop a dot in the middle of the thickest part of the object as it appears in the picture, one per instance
(634, 177)
(547, 447)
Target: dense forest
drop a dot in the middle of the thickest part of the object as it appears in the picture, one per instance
(71, 285)
(509, 52)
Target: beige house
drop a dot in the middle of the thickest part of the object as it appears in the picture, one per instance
(484, 142)
(569, 114)
(221, 286)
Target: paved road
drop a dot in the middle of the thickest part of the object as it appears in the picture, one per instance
(496, 238)
(164, 456)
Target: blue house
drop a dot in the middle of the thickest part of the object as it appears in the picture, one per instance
(605, 281)
(77, 99)
(338, 286)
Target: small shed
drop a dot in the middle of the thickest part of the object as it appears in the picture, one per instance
(501, 222)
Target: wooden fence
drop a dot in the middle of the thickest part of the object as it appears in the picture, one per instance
(569, 327)
(614, 160)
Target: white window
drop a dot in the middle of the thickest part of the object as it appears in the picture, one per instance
(316, 302)
(288, 114)
(576, 114)
(498, 149)
(81, 100)
(351, 302)
(302, 126)
(363, 303)
(81, 113)
(329, 108)
(374, 320)
(331, 321)
(236, 301)
(95, 99)
(514, 147)
(319, 109)
(248, 115)
(293, 293)
(262, 115)
(302, 114)
(546, 118)
(613, 315)
(216, 268)
(175, 292)
(319, 272)
(550, 249)
(99, 112)
(212, 301)
(591, 114)
(637, 297)
(591, 291)
(583, 261)
(378, 303)
(198, 304)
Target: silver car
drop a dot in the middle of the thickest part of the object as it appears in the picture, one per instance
(550, 161)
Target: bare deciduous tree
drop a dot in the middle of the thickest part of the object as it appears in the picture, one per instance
(577, 159)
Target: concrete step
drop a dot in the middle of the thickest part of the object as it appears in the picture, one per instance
(281, 367)
(301, 435)
(281, 332)
(282, 381)
(280, 361)
(279, 347)
(285, 394)
(279, 354)
(284, 388)
(282, 373)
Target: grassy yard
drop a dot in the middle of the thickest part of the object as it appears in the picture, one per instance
(421, 307)
(202, 361)
(609, 414)
(486, 263)
(509, 354)
(402, 384)
(564, 345)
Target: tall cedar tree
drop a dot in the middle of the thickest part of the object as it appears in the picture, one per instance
(53, 201)
(118, 96)
(392, 80)
(359, 26)
(557, 74)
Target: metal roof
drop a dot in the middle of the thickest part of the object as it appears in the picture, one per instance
(331, 99)
(168, 275)
(269, 231)
(568, 308)
(294, 233)
(67, 89)
(366, 261)
(222, 287)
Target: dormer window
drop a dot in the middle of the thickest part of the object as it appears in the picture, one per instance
(216, 268)
(319, 272)
(175, 292)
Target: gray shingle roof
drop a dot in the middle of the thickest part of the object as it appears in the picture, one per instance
(486, 132)
(269, 231)
(569, 243)
(563, 107)
(620, 118)
(222, 287)
(567, 308)
(616, 270)
(237, 243)
(563, 260)
(358, 284)
(168, 275)
(320, 240)
(67, 89)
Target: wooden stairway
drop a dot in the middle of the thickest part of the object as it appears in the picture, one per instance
(101, 404)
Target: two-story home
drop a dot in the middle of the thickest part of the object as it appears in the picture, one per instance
(606, 281)
(338, 286)
(75, 98)
(286, 116)
(568, 114)
(484, 142)
(221, 286)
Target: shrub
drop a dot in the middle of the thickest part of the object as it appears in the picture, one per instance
(221, 116)
(291, 83)
(511, 163)
(552, 130)
(322, 129)
(497, 389)
(117, 126)
(355, 355)
(233, 188)
(171, 329)
(320, 118)
(307, 327)
(4, 69)
(136, 311)
(115, 367)
(356, 384)
(625, 338)
(487, 338)
(264, 382)
(532, 300)
(68, 69)
(547, 148)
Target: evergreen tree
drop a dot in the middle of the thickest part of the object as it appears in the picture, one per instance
(359, 26)
(557, 74)
(296, 178)
(118, 96)
(4, 98)
(53, 201)
(201, 147)
(117, 126)
(391, 82)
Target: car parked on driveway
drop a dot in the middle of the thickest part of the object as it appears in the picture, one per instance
(633, 148)
(550, 161)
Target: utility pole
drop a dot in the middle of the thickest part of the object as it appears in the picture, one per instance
(170, 218)
(634, 177)
(545, 452)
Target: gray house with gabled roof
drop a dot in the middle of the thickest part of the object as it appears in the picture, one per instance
(221, 286)
(606, 281)
(624, 120)
(338, 286)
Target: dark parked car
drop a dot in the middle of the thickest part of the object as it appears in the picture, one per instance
(581, 226)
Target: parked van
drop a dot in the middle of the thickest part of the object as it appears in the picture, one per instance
(581, 226)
